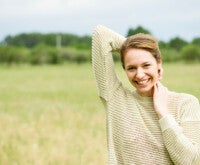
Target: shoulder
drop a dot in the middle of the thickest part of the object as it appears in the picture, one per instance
(187, 105)
(182, 97)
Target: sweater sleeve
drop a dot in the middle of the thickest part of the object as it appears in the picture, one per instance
(104, 42)
(183, 140)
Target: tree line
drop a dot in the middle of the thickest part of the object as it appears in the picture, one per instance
(56, 48)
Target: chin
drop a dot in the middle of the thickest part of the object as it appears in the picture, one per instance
(147, 92)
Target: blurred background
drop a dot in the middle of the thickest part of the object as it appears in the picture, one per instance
(49, 107)
(29, 26)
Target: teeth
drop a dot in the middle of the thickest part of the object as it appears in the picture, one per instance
(142, 82)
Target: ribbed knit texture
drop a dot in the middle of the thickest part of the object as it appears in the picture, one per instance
(135, 135)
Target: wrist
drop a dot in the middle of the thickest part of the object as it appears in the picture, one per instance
(163, 114)
(167, 122)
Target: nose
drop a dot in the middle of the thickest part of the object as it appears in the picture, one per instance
(140, 73)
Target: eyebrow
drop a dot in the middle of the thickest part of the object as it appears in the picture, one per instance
(132, 65)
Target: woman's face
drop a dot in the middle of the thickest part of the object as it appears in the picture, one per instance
(142, 70)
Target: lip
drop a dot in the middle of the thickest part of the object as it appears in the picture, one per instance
(142, 83)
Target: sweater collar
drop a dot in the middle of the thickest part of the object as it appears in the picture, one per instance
(142, 98)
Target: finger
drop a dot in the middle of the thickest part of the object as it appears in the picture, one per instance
(160, 85)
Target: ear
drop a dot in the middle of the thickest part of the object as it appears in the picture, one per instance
(160, 71)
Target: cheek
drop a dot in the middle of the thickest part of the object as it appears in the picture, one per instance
(154, 74)
(130, 75)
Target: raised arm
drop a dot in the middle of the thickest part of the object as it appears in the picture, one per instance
(182, 139)
(104, 42)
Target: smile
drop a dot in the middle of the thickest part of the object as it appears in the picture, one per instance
(144, 82)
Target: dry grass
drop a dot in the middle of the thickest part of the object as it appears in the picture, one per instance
(50, 115)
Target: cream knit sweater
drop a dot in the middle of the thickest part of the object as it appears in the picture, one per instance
(135, 134)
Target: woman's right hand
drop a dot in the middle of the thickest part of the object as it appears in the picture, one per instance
(160, 99)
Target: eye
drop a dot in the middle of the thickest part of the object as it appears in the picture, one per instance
(130, 68)
(146, 65)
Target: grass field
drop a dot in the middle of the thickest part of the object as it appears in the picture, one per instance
(51, 115)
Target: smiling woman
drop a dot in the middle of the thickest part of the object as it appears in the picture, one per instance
(163, 123)
(142, 70)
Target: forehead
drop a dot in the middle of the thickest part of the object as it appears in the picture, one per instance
(138, 56)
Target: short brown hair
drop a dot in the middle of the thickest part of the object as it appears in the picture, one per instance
(141, 41)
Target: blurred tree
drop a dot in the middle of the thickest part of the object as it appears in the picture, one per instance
(163, 44)
(138, 29)
(69, 39)
(191, 52)
(24, 40)
(31, 40)
(196, 41)
(177, 43)
(50, 39)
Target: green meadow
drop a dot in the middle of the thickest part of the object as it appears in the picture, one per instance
(52, 115)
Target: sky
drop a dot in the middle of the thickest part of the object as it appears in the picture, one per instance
(165, 19)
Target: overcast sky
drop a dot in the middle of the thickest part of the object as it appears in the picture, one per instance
(165, 19)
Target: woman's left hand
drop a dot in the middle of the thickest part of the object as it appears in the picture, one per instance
(160, 99)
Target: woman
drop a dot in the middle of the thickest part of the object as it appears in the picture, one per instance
(151, 125)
